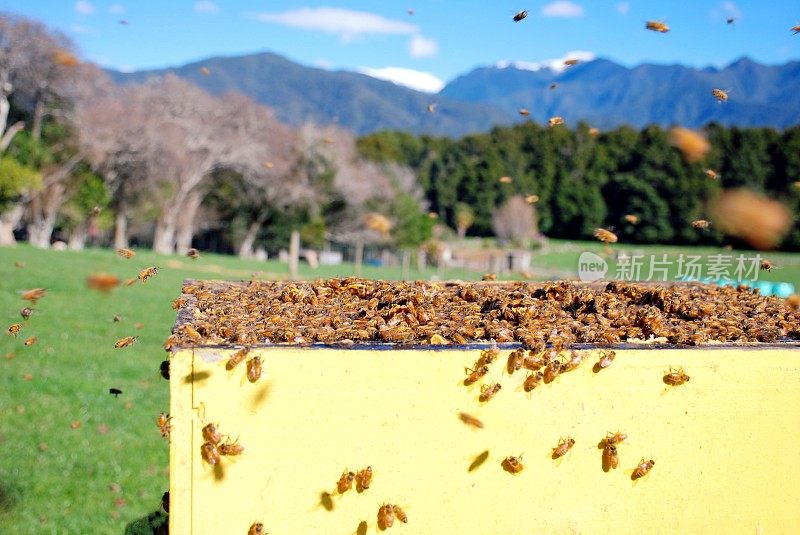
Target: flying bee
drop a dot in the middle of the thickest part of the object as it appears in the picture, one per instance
(205, 71)
(515, 360)
(524, 13)
(710, 173)
(193, 253)
(254, 369)
(26, 313)
(400, 514)
(513, 464)
(642, 469)
(524, 112)
(555, 121)
(656, 26)
(701, 224)
(125, 342)
(766, 265)
(31, 340)
(431, 107)
(564, 444)
(14, 329)
(116, 393)
(163, 424)
(230, 448)
(363, 479)
(210, 453)
(730, 20)
(34, 295)
(570, 62)
(553, 85)
(610, 457)
(489, 391)
(19, 264)
(532, 381)
(605, 236)
(125, 253)
(211, 434)
(385, 516)
(795, 29)
(256, 529)
(594, 131)
(532, 199)
(676, 377)
(470, 420)
(147, 272)
(164, 369)
(345, 482)
(475, 374)
(719, 94)
(236, 358)
(505, 180)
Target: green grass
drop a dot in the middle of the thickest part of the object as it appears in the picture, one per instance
(55, 479)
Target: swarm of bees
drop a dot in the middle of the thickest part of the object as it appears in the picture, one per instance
(656, 26)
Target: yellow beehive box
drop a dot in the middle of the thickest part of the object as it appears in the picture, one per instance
(724, 442)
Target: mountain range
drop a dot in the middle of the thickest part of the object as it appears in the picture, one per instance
(600, 92)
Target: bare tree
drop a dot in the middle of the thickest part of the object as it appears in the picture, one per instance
(515, 221)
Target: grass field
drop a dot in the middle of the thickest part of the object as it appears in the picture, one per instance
(112, 469)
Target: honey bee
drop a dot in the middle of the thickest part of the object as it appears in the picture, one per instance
(574, 361)
(236, 358)
(146, 273)
(656, 26)
(345, 482)
(570, 62)
(524, 112)
(524, 13)
(130, 282)
(267, 165)
(564, 444)
(489, 391)
(643, 468)
(551, 371)
(385, 516)
(710, 173)
(431, 108)
(632, 219)
(692, 145)
(14, 329)
(766, 265)
(34, 295)
(700, 224)
(126, 253)
(513, 464)
(606, 358)
(532, 199)
(256, 529)
(205, 71)
(211, 434)
(193, 253)
(475, 374)
(605, 236)
(210, 453)
(363, 479)
(31, 340)
(230, 448)
(125, 342)
(795, 29)
(433, 215)
(400, 514)
(254, 369)
(532, 381)
(505, 180)
(555, 121)
(164, 369)
(730, 20)
(19, 264)
(553, 86)
(615, 438)
(676, 377)
(793, 301)
(515, 360)
(117, 318)
(438, 340)
(470, 420)
(610, 457)
(594, 131)
(163, 424)
(719, 94)
(26, 313)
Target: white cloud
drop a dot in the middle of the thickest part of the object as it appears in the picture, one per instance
(421, 81)
(623, 8)
(116, 9)
(83, 7)
(206, 6)
(422, 47)
(345, 23)
(555, 64)
(562, 8)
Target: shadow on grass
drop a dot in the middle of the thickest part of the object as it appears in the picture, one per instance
(156, 523)
(9, 496)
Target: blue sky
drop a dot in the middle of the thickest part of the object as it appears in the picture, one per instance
(439, 41)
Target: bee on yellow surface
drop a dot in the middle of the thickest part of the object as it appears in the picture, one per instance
(564, 445)
(551, 371)
(555, 121)
(676, 377)
(719, 94)
(513, 464)
(254, 369)
(532, 381)
(163, 424)
(345, 482)
(632, 219)
(400, 514)
(34, 295)
(643, 469)
(470, 420)
(489, 391)
(385, 516)
(363, 479)
(14, 329)
(237, 358)
(656, 26)
(515, 360)
(256, 529)
(230, 448)
(211, 434)
(125, 342)
(148, 272)
(31, 340)
(574, 361)
(210, 453)
(475, 374)
(701, 224)
(126, 253)
(522, 14)
(605, 236)
(610, 457)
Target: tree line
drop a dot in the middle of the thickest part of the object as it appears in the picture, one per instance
(583, 179)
